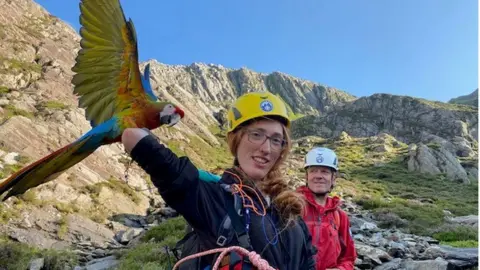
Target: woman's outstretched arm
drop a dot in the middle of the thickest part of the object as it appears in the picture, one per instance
(177, 179)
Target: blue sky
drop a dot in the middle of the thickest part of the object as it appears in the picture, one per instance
(421, 48)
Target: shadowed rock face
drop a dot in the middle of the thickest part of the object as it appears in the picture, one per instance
(408, 119)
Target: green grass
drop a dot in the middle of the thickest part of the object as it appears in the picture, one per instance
(212, 157)
(14, 255)
(412, 201)
(54, 105)
(460, 233)
(29, 199)
(7, 213)
(448, 106)
(176, 148)
(462, 244)
(174, 227)
(9, 169)
(62, 227)
(115, 185)
(202, 154)
(11, 110)
(15, 66)
(151, 252)
(4, 90)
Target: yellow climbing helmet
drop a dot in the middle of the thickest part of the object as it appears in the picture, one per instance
(256, 104)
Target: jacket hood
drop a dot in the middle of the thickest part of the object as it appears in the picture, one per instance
(332, 203)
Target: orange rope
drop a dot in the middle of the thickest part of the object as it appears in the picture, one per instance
(238, 188)
(256, 260)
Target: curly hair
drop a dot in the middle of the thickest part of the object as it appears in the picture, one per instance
(289, 203)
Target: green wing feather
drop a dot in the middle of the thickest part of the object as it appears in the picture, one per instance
(107, 78)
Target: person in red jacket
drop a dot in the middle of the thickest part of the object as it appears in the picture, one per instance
(329, 226)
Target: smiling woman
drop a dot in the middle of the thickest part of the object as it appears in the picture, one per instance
(251, 206)
(259, 150)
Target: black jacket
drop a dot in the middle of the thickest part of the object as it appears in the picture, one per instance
(202, 204)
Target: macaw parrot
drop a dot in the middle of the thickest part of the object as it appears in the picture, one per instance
(112, 90)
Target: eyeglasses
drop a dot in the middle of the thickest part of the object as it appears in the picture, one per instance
(258, 137)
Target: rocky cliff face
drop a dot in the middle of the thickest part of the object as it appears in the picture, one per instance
(39, 114)
(409, 119)
(451, 127)
(206, 89)
(92, 202)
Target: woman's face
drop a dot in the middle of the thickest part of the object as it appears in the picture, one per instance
(260, 147)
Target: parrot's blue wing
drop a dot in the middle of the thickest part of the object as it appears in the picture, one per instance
(207, 176)
(107, 130)
(146, 83)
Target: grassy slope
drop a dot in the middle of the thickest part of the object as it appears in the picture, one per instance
(470, 99)
(408, 200)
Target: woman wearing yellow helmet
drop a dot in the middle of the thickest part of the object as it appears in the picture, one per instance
(251, 206)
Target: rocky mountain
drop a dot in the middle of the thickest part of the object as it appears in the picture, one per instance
(386, 143)
(470, 99)
(453, 128)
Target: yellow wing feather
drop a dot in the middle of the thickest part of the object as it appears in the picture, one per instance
(107, 75)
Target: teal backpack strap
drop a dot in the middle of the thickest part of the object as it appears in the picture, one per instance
(207, 176)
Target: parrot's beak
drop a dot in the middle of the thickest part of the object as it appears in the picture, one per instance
(174, 119)
(171, 119)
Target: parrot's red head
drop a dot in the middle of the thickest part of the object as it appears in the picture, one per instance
(171, 115)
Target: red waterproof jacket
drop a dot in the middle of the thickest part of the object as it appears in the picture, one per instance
(330, 232)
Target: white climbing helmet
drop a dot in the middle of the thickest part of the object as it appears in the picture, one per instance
(321, 156)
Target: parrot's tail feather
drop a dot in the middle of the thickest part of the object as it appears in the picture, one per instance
(45, 169)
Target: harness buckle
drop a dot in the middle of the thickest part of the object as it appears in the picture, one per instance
(221, 240)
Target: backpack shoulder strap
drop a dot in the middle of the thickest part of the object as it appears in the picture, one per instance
(234, 212)
(336, 218)
(336, 214)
